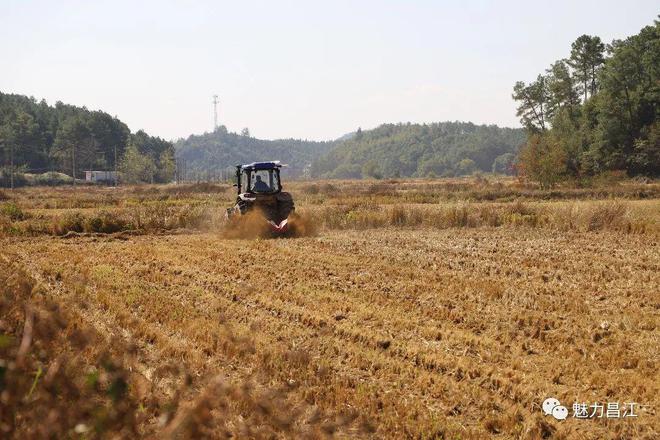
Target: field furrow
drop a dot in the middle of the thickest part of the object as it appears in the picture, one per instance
(440, 327)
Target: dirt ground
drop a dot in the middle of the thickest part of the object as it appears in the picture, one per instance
(379, 332)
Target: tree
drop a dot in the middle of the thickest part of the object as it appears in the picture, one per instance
(7, 141)
(587, 55)
(571, 135)
(645, 157)
(465, 167)
(628, 101)
(504, 163)
(371, 169)
(543, 160)
(562, 92)
(149, 145)
(433, 166)
(20, 138)
(166, 167)
(614, 127)
(245, 132)
(49, 138)
(74, 146)
(110, 135)
(533, 100)
(136, 167)
(419, 149)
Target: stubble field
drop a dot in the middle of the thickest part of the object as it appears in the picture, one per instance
(413, 309)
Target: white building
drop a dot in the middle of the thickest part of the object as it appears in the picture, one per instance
(100, 176)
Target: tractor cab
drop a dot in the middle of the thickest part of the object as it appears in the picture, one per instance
(259, 178)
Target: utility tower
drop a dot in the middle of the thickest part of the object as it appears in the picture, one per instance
(215, 112)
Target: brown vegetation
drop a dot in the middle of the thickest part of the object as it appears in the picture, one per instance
(626, 206)
(448, 318)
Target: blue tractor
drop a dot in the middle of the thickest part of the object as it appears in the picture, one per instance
(260, 188)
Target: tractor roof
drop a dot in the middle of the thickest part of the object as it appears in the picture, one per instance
(262, 165)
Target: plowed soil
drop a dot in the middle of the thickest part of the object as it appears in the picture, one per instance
(459, 332)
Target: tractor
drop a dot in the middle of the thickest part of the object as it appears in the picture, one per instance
(260, 188)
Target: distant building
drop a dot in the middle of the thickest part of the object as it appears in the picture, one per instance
(100, 176)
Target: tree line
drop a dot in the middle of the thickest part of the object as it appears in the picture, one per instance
(220, 150)
(595, 111)
(60, 141)
(442, 149)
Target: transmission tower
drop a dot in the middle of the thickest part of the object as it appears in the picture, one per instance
(215, 112)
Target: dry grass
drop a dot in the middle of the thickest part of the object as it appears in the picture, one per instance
(639, 217)
(60, 377)
(625, 207)
(393, 320)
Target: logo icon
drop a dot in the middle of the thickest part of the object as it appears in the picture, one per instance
(552, 407)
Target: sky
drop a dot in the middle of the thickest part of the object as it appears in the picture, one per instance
(301, 69)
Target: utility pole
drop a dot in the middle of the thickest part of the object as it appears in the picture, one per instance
(215, 112)
(73, 163)
(116, 175)
(183, 170)
(11, 164)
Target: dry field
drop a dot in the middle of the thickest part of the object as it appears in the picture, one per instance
(416, 309)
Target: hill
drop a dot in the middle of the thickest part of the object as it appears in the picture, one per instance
(419, 150)
(220, 150)
(39, 138)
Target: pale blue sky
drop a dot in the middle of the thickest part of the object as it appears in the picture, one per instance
(308, 69)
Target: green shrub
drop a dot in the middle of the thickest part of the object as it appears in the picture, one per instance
(12, 211)
(106, 223)
(70, 222)
(6, 178)
(52, 178)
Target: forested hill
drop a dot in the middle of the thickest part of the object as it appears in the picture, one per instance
(220, 150)
(421, 150)
(37, 138)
